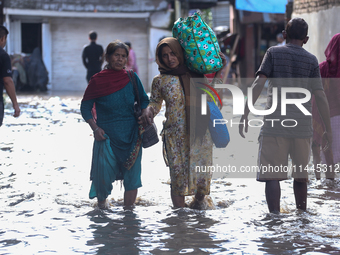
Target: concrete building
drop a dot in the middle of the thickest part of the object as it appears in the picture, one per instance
(323, 20)
(60, 28)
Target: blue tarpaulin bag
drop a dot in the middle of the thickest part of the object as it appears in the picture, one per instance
(219, 133)
(104, 169)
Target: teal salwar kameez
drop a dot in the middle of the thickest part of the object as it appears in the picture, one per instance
(118, 157)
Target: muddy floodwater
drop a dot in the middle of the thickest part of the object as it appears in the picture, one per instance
(44, 183)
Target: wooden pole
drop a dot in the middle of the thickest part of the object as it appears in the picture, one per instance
(2, 12)
(225, 76)
(177, 9)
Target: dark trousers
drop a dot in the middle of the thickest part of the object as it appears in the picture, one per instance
(2, 111)
(90, 73)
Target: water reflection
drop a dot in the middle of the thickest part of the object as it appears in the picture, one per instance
(187, 232)
(118, 235)
(294, 233)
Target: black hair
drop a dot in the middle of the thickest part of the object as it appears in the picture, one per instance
(93, 35)
(113, 46)
(160, 39)
(128, 44)
(297, 28)
(3, 31)
(279, 35)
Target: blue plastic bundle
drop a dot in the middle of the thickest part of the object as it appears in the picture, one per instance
(219, 133)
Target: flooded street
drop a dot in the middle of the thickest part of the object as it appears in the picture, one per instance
(44, 185)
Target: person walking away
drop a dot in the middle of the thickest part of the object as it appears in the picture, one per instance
(92, 56)
(132, 60)
(280, 40)
(113, 95)
(282, 65)
(330, 72)
(6, 77)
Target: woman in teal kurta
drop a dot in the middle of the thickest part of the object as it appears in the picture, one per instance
(113, 95)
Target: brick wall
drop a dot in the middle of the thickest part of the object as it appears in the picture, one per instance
(308, 6)
(322, 26)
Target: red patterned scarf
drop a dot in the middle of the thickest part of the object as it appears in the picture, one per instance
(105, 83)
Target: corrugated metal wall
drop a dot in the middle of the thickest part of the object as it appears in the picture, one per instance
(221, 14)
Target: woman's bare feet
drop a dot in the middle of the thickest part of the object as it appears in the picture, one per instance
(102, 204)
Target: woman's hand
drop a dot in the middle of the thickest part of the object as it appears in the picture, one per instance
(147, 117)
(98, 134)
(224, 62)
(224, 59)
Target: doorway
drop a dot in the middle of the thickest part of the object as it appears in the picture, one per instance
(30, 37)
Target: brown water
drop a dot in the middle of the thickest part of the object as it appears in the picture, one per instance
(44, 184)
